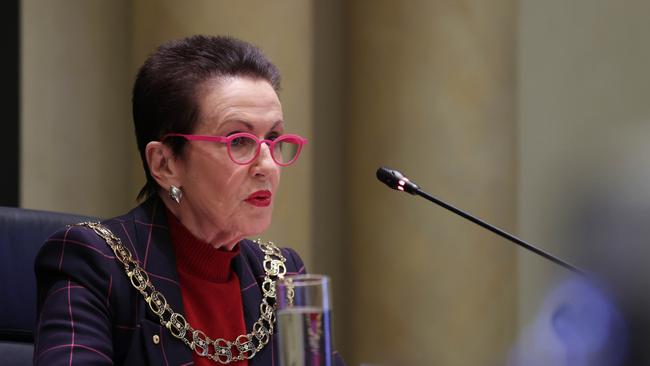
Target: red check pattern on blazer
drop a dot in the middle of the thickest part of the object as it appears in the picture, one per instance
(89, 313)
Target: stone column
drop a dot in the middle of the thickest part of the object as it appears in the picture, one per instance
(431, 92)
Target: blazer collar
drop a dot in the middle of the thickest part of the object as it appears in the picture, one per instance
(250, 288)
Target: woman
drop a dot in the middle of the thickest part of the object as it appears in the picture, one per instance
(210, 133)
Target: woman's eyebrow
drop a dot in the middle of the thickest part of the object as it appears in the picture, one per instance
(276, 124)
(249, 126)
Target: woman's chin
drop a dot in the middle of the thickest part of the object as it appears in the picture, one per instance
(257, 228)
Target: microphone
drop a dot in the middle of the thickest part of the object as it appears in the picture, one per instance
(396, 180)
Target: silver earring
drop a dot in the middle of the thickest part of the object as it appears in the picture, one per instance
(175, 193)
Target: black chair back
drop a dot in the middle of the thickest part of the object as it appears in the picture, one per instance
(22, 232)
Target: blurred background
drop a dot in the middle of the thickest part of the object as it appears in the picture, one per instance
(533, 115)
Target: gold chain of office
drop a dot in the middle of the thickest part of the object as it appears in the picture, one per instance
(245, 346)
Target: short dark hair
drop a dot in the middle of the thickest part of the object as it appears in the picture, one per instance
(168, 87)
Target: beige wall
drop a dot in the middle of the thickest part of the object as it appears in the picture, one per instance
(75, 106)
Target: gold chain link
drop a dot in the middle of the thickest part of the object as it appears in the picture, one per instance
(218, 350)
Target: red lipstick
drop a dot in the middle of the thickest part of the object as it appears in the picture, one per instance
(260, 198)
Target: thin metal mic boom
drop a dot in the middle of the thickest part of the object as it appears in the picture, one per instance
(396, 180)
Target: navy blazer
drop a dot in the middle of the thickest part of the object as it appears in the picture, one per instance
(90, 314)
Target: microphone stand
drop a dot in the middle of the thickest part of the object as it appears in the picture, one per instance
(398, 181)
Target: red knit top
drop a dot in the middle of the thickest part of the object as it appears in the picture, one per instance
(209, 286)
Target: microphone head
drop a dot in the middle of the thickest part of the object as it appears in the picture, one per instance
(396, 180)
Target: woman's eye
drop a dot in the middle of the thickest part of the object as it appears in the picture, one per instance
(273, 136)
(243, 142)
(238, 141)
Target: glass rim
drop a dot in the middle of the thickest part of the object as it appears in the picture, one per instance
(307, 279)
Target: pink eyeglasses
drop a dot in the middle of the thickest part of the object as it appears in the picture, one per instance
(244, 148)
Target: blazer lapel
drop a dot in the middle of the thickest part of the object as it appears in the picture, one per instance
(156, 256)
(250, 290)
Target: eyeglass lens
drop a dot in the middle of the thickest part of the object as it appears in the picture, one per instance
(243, 149)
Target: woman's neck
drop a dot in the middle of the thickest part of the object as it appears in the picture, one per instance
(200, 228)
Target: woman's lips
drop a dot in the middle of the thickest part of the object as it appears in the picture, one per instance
(260, 198)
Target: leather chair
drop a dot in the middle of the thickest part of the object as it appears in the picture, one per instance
(22, 232)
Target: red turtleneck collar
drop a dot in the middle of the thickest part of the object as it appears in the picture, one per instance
(198, 258)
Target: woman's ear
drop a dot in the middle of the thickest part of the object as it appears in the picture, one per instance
(163, 164)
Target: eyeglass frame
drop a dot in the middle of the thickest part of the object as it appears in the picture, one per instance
(228, 140)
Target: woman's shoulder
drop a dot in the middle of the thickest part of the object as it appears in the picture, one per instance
(82, 243)
(123, 227)
(77, 239)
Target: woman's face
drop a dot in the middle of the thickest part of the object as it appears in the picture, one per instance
(227, 201)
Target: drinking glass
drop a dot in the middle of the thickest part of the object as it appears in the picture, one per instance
(303, 312)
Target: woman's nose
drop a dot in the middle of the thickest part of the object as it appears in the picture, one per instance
(264, 159)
